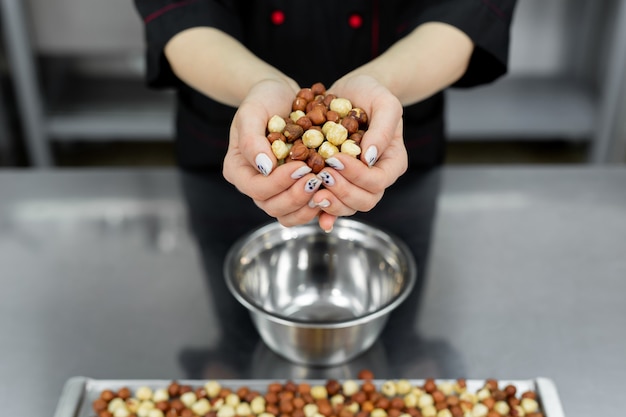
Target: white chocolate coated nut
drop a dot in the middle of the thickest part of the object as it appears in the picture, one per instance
(341, 105)
(312, 138)
(276, 124)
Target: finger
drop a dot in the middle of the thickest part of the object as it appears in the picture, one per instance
(262, 188)
(327, 221)
(252, 143)
(293, 198)
(340, 197)
(384, 123)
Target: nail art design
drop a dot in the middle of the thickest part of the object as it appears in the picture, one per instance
(371, 155)
(300, 172)
(326, 178)
(312, 185)
(335, 163)
(263, 164)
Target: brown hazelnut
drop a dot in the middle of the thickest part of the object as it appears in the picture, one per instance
(306, 93)
(271, 397)
(493, 413)
(163, 406)
(171, 413)
(272, 409)
(360, 116)
(429, 385)
(333, 387)
(456, 411)
(316, 116)
(491, 384)
(510, 390)
(368, 386)
(105, 413)
(382, 402)
(359, 397)
(318, 89)
(107, 395)
(299, 151)
(315, 161)
(285, 406)
(394, 412)
(298, 403)
(251, 395)
(328, 98)
(304, 388)
(173, 389)
(304, 122)
(201, 392)
(489, 402)
(441, 405)
(529, 394)
(332, 116)
(99, 405)
(397, 403)
(438, 396)
(298, 413)
(357, 136)
(452, 400)
(499, 395)
(187, 413)
(185, 389)
(365, 374)
(299, 103)
(292, 132)
(413, 412)
(124, 393)
(177, 405)
(351, 125)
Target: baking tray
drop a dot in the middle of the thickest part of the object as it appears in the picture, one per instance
(79, 392)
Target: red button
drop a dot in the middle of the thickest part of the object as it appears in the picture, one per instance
(355, 21)
(278, 17)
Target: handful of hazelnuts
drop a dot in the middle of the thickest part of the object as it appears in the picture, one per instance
(319, 126)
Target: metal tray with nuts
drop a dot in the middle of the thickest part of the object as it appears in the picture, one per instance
(82, 397)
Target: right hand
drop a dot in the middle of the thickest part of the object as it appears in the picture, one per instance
(283, 192)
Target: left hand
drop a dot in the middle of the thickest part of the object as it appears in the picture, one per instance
(358, 185)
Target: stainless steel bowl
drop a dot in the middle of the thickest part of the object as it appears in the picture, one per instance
(320, 298)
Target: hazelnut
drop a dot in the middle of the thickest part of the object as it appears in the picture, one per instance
(410, 400)
(177, 405)
(295, 115)
(316, 163)
(489, 402)
(502, 408)
(351, 125)
(529, 405)
(429, 385)
(226, 411)
(304, 388)
(306, 93)
(99, 405)
(201, 407)
(187, 413)
(105, 413)
(133, 404)
(274, 136)
(328, 98)
(116, 403)
(163, 406)
(155, 413)
(341, 106)
(188, 398)
(425, 400)
(360, 116)
(319, 391)
(446, 387)
(403, 386)
(292, 132)
(280, 150)
(122, 412)
(368, 387)
(529, 394)
(444, 413)
(299, 151)
(124, 393)
(333, 116)
(257, 405)
(310, 410)
(480, 410)
(212, 388)
(317, 116)
(429, 411)
(312, 138)
(510, 390)
(107, 395)
(304, 122)
(397, 403)
(350, 388)
(378, 412)
(233, 399)
(299, 104)
(276, 124)
(242, 410)
(493, 413)
(389, 388)
(160, 395)
(327, 149)
(173, 389)
(438, 396)
(318, 89)
(491, 384)
(336, 134)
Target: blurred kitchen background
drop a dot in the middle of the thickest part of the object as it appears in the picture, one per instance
(72, 91)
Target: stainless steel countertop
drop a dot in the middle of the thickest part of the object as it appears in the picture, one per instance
(117, 274)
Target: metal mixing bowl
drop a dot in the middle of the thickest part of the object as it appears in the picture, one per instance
(320, 298)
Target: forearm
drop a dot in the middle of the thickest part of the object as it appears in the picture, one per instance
(218, 65)
(429, 59)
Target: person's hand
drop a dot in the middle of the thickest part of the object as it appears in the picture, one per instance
(283, 192)
(352, 185)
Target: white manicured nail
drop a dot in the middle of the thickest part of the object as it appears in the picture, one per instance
(371, 155)
(312, 185)
(300, 172)
(263, 164)
(323, 204)
(335, 163)
(326, 178)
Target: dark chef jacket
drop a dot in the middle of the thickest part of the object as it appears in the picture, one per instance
(318, 41)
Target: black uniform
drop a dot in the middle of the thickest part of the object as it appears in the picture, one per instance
(318, 41)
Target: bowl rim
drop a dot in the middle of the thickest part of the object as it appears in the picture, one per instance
(411, 274)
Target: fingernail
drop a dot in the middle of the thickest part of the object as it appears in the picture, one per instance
(323, 204)
(312, 203)
(300, 172)
(370, 155)
(329, 230)
(263, 164)
(312, 185)
(326, 178)
(335, 163)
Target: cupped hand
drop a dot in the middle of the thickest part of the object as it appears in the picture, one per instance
(283, 192)
(352, 185)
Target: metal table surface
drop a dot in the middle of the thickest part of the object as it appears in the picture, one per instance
(116, 274)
